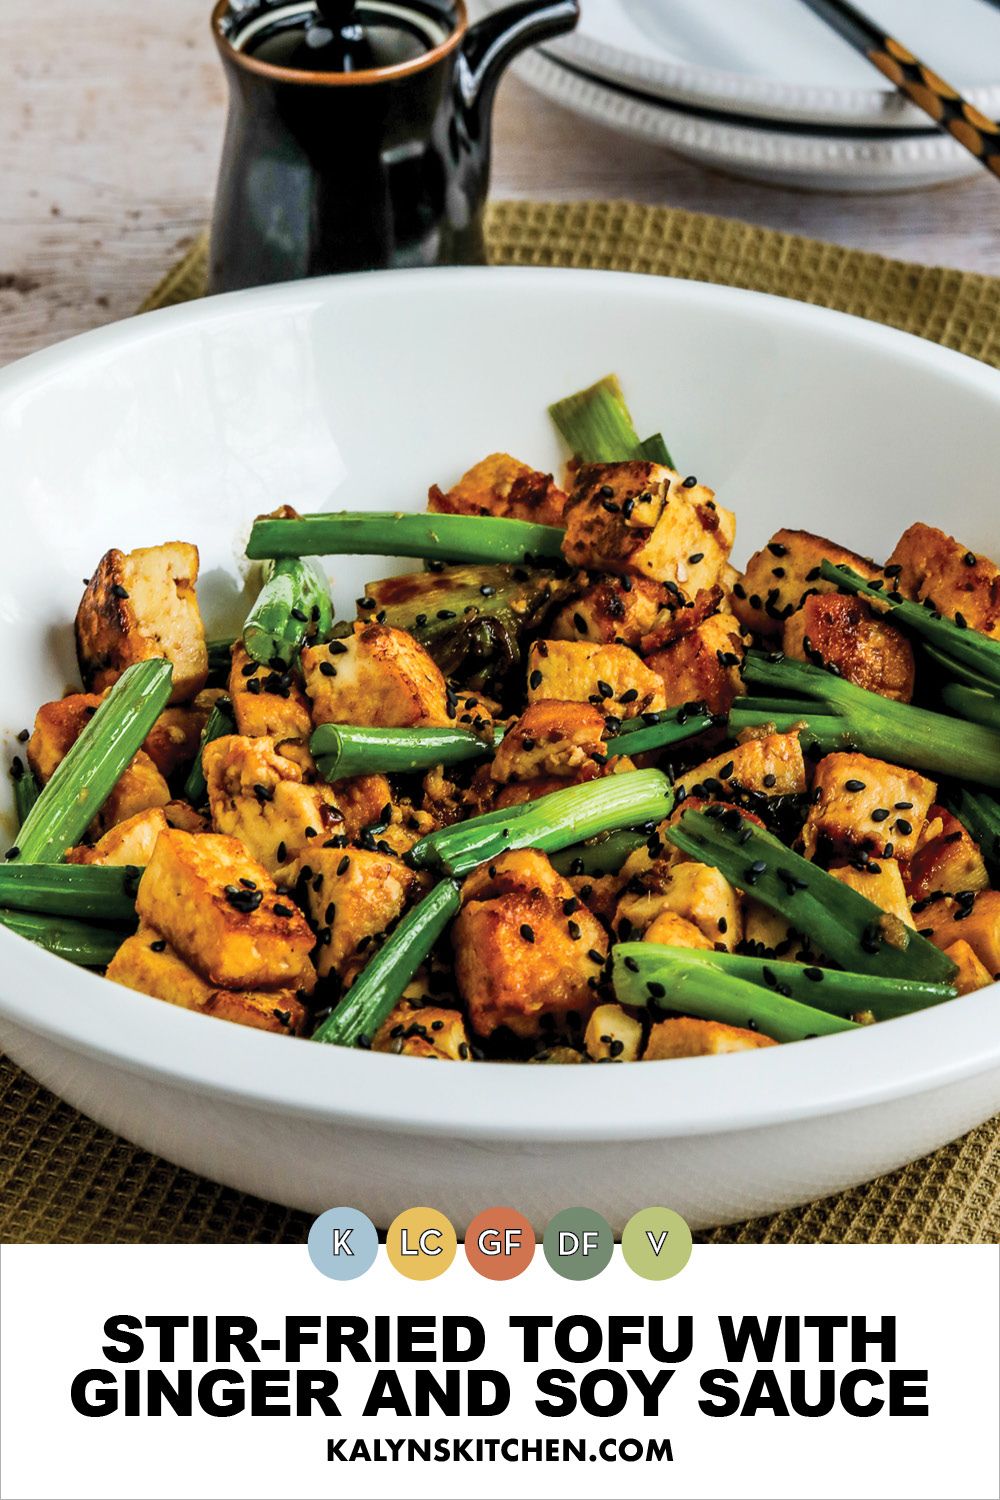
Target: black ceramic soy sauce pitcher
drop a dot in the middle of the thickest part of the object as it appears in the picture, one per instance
(359, 134)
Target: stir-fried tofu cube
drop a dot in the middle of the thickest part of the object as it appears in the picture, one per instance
(424, 1031)
(140, 605)
(146, 962)
(975, 921)
(139, 787)
(699, 893)
(684, 1036)
(929, 564)
(677, 932)
(613, 678)
(57, 727)
(267, 704)
(645, 519)
(222, 913)
(354, 895)
(259, 797)
(377, 676)
(840, 630)
(365, 802)
(879, 881)
(771, 765)
(174, 739)
(181, 814)
(949, 861)
(972, 974)
(703, 665)
(527, 953)
(502, 486)
(551, 738)
(612, 610)
(128, 843)
(780, 576)
(612, 1034)
(863, 803)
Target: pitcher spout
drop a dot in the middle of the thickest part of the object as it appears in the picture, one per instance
(492, 43)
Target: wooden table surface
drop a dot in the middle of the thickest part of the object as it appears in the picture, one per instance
(111, 117)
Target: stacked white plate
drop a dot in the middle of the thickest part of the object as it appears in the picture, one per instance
(764, 89)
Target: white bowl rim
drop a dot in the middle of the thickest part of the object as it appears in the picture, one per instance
(140, 1035)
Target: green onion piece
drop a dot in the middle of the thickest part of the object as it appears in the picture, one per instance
(459, 539)
(106, 892)
(549, 823)
(899, 732)
(219, 722)
(603, 855)
(832, 990)
(596, 424)
(754, 703)
(980, 816)
(380, 986)
(655, 450)
(956, 669)
(25, 789)
(343, 750)
(83, 780)
(966, 646)
(293, 607)
(972, 703)
(656, 731)
(684, 980)
(843, 924)
(825, 732)
(91, 947)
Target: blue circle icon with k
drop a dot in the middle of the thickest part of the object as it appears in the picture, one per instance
(343, 1243)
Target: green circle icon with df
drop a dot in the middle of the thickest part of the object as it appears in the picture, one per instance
(578, 1244)
(343, 1243)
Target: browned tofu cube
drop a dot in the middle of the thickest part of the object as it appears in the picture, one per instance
(613, 1035)
(703, 666)
(840, 630)
(879, 881)
(502, 486)
(354, 896)
(128, 843)
(675, 931)
(259, 797)
(862, 803)
(267, 704)
(929, 564)
(617, 611)
(948, 861)
(527, 954)
(972, 974)
(220, 910)
(551, 738)
(424, 1031)
(139, 787)
(699, 893)
(174, 739)
(975, 921)
(684, 1036)
(377, 676)
(57, 727)
(782, 573)
(645, 519)
(771, 765)
(181, 814)
(613, 678)
(146, 962)
(141, 605)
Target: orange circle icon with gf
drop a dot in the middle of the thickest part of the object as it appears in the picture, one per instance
(499, 1243)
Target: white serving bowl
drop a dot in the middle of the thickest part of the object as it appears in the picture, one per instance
(361, 391)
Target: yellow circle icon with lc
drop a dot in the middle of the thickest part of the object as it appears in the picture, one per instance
(421, 1243)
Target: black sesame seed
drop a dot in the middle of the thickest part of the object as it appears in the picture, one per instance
(573, 928)
(969, 559)
(160, 946)
(344, 865)
(777, 549)
(280, 910)
(690, 482)
(605, 689)
(880, 814)
(903, 827)
(527, 933)
(118, 591)
(535, 680)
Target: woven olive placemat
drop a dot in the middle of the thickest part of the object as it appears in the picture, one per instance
(67, 1180)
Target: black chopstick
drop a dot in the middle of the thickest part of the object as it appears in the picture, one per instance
(922, 86)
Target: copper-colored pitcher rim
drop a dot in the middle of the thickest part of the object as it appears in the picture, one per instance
(364, 75)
